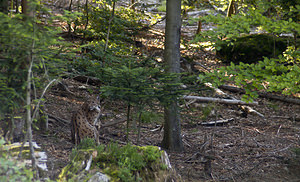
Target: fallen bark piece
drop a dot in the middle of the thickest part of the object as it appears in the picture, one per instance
(217, 123)
(218, 100)
(249, 110)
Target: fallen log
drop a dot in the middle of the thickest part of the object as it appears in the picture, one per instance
(218, 100)
(217, 123)
(249, 110)
(246, 109)
(263, 94)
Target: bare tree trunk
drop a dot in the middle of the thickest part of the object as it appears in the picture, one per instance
(172, 133)
(24, 4)
(26, 8)
(231, 8)
(109, 25)
(199, 27)
(70, 23)
(29, 12)
(28, 116)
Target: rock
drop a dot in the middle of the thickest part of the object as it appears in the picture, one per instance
(119, 163)
(99, 177)
(41, 156)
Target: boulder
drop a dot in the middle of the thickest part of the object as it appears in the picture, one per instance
(119, 163)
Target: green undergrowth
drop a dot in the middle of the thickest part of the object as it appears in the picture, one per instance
(121, 163)
(126, 22)
(10, 168)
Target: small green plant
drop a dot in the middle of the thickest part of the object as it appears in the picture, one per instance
(297, 152)
(87, 143)
(151, 153)
(206, 111)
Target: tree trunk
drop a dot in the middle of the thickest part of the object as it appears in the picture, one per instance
(27, 8)
(231, 8)
(109, 26)
(24, 4)
(172, 131)
(199, 27)
(132, 2)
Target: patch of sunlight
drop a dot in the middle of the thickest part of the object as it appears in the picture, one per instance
(182, 46)
(208, 46)
(259, 29)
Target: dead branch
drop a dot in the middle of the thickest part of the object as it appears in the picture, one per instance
(63, 121)
(37, 107)
(218, 100)
(122, 120)
(264, 94)
(247, 109)
(88, 80)
(64, 87)
(218, 122)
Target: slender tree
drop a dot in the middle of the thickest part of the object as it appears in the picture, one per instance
(172, 132)
(231, 8)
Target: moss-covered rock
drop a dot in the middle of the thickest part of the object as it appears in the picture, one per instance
(118, 163)
(252, 48)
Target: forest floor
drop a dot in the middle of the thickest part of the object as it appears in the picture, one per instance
(249, 148)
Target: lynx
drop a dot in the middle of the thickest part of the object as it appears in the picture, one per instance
(84, 123)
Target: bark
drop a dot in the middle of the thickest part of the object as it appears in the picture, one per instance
(24, 4)
(199, 27)
(172, 139)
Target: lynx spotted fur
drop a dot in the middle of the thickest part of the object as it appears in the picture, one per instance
(84, 123)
